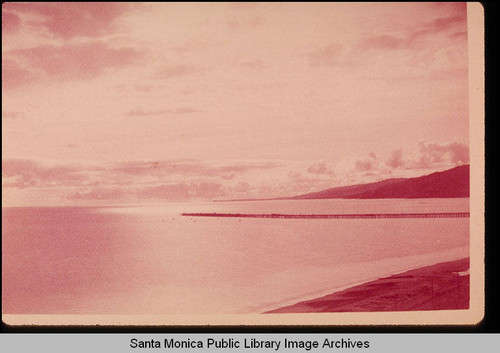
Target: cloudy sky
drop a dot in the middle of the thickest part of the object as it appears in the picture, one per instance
(145, 103)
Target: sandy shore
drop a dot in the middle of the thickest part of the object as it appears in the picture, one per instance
(333, 216)
(444, 286)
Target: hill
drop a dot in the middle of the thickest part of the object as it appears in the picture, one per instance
(447, 184)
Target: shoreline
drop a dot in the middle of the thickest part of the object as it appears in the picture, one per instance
(333, 216)
(441, 286)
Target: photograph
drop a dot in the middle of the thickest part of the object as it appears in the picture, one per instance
(242, 164)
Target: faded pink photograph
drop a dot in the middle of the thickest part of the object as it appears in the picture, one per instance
(235, 158)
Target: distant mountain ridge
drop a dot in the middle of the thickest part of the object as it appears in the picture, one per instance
(451, 183)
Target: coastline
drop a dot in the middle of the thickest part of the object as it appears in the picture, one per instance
(442, 286)
(333, 216)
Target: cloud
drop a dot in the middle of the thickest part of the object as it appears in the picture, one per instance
(430, 155)
(439, 25)
(206, 190)
(70, 20)
(183, 110)
(321, 168)
(180, 110)
(364, 164)
(241, 187)
(22, 173)
(355, 164)
(253, 64)
(98, 194)
(396, 158)
(449, 7)
(326, 56)
(141, 112)
(245, 23)
(165, 192)
(458, 35)
(299, 182)
(132, 181)
(185, 47)
(354, 169)
(433, 48)
(435, 154)
(176, 70)
(66, 62)
(144, 88)
(385, 42)
(191, 179)
(81, 61)
(229, 175)
(181, 191)
(15, 75)
(11, 115)
(300, 179)
(443, 23)
(189, 167)
(411, 39)
(11, 23)
(169, 192)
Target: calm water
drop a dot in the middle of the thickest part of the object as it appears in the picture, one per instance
(131, 260)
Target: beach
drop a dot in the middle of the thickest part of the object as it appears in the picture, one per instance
(443, 286)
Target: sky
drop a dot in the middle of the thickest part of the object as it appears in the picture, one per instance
(139, 103)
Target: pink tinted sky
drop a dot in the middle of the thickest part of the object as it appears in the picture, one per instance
(143, 103)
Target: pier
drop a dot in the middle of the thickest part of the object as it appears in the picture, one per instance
(334, 216)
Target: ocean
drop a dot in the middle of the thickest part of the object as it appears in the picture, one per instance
(151, 260)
